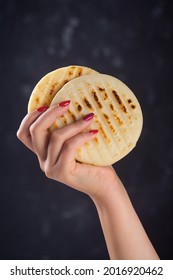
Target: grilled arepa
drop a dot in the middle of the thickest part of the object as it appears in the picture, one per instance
(50, 84)
(118, 116)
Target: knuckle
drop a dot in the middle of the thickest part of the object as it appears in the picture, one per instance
(57, 135)
(48, 172)
(42, 166)
(68, 144)
(19, 134)
(51, 174)
(33, 129)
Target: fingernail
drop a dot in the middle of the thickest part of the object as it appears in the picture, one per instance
(42, 109)
(64, 103)
(94, 131)
(88, 117)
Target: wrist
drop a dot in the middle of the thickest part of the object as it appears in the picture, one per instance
(110, 194)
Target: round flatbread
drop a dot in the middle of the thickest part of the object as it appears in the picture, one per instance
(118, 116)
(50, 84)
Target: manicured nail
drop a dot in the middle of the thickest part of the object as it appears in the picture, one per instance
(94, 131)
(64, 103)
(88, 117)
(42, 109)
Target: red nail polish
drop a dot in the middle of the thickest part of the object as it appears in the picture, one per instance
(88, 117)
(64, 103)
(94, 131)
(42, 109)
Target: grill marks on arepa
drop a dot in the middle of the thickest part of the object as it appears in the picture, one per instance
(50, 84)
(84, 101)
(104, 97)
(102, 119)
(90, 97)
(123, 116)
(94, 98)
(111, 104)
(118, 116)
(99, 121)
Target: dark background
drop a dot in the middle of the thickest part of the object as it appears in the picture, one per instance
(132, 40)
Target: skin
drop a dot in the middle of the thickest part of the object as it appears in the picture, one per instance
(124, 234)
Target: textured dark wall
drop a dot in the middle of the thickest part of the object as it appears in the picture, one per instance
(42, 219)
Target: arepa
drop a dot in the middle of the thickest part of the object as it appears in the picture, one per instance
(50, 84)
(118, 116)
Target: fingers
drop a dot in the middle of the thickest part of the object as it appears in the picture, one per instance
(68, 152)
(57, 147)
(23, 132)
(39, 129)
(66, 163)
(61, 135)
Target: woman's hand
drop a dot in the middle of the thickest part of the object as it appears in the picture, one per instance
(124, 234)
(56, 150)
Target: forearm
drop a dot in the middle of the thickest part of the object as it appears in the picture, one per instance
(124, 234)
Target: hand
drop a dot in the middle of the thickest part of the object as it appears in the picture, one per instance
(56, 150)
(124, 234)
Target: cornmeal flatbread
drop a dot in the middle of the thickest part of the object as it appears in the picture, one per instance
(50, 84)
(118, 116)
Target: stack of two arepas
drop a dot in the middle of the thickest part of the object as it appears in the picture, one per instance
(117, 113)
